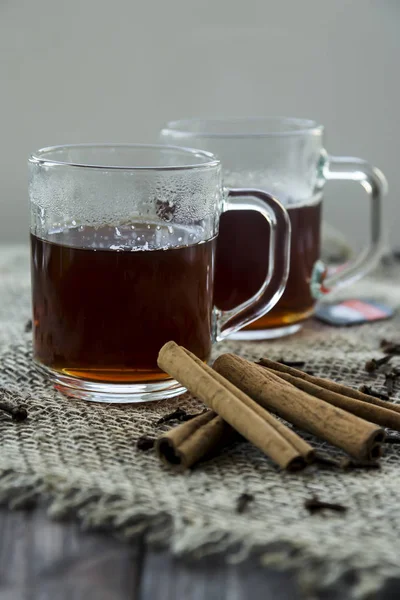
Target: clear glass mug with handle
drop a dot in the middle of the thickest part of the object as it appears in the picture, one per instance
(123, 244)
(286, 157)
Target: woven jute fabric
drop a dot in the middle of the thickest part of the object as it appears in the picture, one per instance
(81, 458)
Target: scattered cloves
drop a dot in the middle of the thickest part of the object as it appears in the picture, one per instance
(389, 382)
(243, 502)
(28, 326)
(177, 415)
(145, 443)
(375, 363)
(390, 379)
(314, 505)
(366, 389)
(390, 347)
(17, 413)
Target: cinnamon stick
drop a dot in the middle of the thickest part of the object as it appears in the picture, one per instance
(185, 445)
(339, 388)
(202, 381)
(370, 412)
(357, 437)
(303, 447)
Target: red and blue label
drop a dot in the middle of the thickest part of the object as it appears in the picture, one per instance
(353, 312)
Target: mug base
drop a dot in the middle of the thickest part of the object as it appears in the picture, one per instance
(265, 334)
(109, 393)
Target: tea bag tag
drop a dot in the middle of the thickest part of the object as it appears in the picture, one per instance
(353, 312)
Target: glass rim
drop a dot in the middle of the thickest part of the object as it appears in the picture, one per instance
(210, 160)
(299, 126)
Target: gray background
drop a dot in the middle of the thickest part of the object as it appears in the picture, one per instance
(95, 70)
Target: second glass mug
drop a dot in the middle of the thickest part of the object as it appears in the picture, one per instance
(123, 244)
(286, 157)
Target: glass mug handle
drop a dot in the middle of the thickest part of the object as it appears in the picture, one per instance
(374, 183)
(278, 250)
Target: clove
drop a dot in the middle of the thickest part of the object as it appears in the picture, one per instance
(366, 389)
(314, 505)
(145, 443)
(390, 347)
(389, 382)
(178, 415)
(17, 413)
(28, 326)
(375, 363)
(390, 379)
(243, 502)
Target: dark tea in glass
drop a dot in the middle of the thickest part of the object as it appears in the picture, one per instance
(240, 263)
(123, 242)
(102, 300)
(286, 157)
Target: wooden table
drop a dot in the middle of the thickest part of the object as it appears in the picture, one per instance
(46, 560)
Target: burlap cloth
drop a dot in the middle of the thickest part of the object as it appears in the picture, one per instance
(82, 459)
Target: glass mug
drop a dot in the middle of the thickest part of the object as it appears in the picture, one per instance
(286, 157)
(123, 244)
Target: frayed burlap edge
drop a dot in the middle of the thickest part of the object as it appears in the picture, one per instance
(96, 512)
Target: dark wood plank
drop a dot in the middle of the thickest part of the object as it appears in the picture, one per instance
(45, 560)
(168, 578)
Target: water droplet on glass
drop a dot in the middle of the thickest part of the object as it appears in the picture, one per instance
(148, 226)
(132, 227)
(170, 229)
(158, 228)
(117, 232)
(180, 239)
